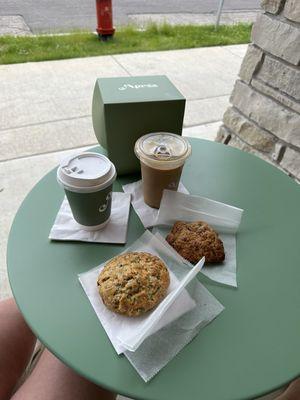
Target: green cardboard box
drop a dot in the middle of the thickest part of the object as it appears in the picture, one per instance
(129, 107)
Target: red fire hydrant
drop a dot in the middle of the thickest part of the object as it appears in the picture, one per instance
(105, 27)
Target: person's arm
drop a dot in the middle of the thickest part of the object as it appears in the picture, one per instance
(292, 392)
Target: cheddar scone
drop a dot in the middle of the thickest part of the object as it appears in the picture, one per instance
(133, 283)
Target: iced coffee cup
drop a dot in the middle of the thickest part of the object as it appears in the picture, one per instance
(162, 156)
(87, 180)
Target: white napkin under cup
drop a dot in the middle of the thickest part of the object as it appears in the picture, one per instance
(146, 213)
(66, 228)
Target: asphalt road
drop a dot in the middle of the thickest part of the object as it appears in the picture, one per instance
(58, 15)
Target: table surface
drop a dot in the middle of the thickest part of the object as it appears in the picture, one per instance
(254, 345)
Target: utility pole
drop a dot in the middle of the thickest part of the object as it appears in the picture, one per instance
(219, 12)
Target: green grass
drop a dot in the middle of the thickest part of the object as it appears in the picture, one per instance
(125, 40)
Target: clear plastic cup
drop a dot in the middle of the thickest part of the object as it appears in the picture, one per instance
(162, 156)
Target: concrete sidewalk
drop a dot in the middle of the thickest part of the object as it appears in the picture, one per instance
(45, 111)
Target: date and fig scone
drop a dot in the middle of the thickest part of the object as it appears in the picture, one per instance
(193, 240)
(133, 283)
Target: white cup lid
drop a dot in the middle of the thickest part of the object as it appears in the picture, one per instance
(89, 171)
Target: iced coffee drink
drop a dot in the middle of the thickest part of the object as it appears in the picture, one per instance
(162, 156)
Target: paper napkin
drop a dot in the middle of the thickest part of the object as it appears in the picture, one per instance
(225, 219)
(146, 213)
(66, 228)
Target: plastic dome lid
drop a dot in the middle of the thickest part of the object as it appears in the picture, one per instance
(162, 149)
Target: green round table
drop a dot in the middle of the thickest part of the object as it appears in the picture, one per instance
(252, 348)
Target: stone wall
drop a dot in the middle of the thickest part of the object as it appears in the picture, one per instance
(264, 117)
